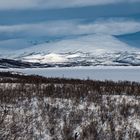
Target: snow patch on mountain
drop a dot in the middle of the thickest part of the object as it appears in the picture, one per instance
(50, 58)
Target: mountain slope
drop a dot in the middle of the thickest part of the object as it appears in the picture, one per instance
(90, 43)
(132, 39)
(88, 50)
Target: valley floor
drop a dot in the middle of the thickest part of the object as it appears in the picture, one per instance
(115, 73)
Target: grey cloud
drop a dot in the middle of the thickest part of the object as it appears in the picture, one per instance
(63, 28)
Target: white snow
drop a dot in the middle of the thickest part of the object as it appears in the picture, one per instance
(96, 73)
(39, 113)
(136, 124)
(95, 44)
(50, 58)
(96, 49)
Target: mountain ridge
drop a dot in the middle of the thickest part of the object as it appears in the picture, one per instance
(88, 50)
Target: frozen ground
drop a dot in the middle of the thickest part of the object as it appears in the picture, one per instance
(36, 108)
(96, 73)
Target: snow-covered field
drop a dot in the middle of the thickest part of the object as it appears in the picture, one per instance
(90, 120)
(37, 108)
(60, 111)
(116, 73)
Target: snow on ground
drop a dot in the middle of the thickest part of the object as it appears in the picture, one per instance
(79, 116)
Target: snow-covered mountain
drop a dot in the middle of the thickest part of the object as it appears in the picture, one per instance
(86, 50)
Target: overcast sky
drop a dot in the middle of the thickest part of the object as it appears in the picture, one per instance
(34, 19)
(56, 4)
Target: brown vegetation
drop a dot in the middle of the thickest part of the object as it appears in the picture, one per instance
(34, 107)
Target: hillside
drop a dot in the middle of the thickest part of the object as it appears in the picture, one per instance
(86, 50)
(34, 107)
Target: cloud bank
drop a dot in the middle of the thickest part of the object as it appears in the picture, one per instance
(68, 28)
(53, 4)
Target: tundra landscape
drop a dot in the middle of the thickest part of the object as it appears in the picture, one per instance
(39, 108)
(69, 69)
